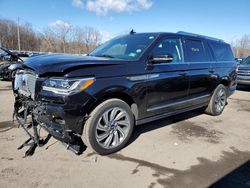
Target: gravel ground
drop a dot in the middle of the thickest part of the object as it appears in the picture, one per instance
(187, 150)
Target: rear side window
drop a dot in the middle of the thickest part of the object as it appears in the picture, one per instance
(222, 51)
(196, 51)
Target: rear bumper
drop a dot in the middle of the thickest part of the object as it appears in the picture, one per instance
(243, 79)
(243, 82)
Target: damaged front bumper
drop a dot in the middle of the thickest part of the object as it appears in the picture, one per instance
(61, 122)
(62, 116)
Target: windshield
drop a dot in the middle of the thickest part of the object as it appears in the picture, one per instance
(246, 61)
(129, 47)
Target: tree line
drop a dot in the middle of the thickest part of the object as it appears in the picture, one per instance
(241, 46)
(67, 38)
(61, 38)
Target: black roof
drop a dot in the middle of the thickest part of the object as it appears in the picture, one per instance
(183, 33)
(197, 35)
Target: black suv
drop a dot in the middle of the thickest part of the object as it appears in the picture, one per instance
(127, 81)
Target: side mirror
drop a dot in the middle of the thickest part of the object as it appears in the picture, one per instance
(155, 59)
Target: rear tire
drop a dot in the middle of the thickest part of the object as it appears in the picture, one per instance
(218, 101)
(109, 127)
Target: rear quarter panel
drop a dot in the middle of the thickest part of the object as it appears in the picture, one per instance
(225, 72)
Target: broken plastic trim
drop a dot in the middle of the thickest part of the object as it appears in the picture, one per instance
(24, 108)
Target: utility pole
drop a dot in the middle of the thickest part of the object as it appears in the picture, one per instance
(18, 34)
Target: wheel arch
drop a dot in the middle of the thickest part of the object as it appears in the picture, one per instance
(224, 81)
(118, 95)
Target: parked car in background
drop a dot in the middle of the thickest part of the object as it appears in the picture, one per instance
(10, 60)
(239, 60)
(11, 57)
(243, 77)
(2, 55)
(127, 81)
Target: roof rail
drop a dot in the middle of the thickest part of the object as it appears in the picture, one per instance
(197, 35)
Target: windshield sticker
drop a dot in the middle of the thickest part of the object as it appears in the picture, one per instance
(151, 37)
(138, 51)
(132, 54)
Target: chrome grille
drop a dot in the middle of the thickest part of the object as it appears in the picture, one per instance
(244, 72)
(25, 83)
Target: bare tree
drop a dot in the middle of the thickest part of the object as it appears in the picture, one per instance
(78, 40)
(92, 38)
(30, 41)
(8, 35)
(61, 34)
(85, 39)
(58, 37)
(48, 41)
(241, 47)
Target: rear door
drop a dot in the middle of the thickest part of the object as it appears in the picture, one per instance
(224, 68)
(199, 59)
(168, 83)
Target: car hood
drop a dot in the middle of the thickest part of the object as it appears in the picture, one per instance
(61, 64)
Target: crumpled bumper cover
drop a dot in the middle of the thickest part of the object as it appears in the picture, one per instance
(65, 121)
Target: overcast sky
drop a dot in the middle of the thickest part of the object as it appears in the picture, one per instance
(225, 19)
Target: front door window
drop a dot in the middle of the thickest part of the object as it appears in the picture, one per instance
(170, 46)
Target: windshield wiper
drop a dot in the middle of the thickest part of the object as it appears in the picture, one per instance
(105, 55)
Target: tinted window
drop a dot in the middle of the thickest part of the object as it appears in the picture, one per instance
(196, 51)
(170, 46)
(246, 61)
(222, 51)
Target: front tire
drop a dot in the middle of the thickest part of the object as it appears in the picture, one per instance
(218, 101)
(109, 127)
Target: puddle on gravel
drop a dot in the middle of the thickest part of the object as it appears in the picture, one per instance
(203, 174)
(185, 130)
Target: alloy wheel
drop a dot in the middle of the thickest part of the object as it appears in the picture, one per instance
(220, 100)
(112, 128)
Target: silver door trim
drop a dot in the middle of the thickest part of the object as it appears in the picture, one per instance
(176, 103)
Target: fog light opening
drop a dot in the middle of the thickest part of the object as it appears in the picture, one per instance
(59, 120)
